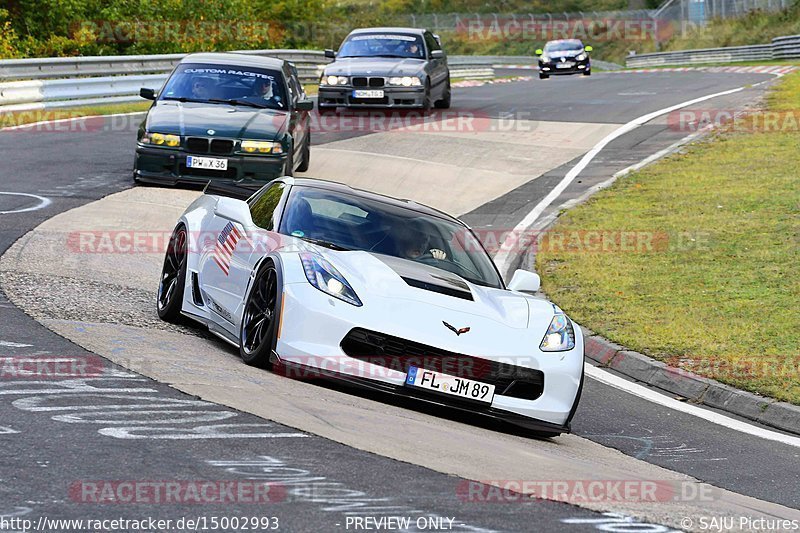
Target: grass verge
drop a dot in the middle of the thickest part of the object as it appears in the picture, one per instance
(710, 278)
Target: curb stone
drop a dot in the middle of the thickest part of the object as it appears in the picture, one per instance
(696, 389)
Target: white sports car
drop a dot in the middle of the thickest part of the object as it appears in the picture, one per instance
(328, 280)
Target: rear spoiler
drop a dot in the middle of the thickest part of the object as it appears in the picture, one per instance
(230, 189)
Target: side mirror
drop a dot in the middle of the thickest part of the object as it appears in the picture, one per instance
(524, 281)
(231, 208)
(330, 53)
(588, 48)
(539, 51)
(304, 105)
(148, 94)
(437, 54)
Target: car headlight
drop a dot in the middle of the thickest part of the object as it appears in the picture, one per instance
(161, 139)
(581, 57)
(560, 335)
(333, 80)
(544, 58)
(262, 147)
(324, 276)
(406, 81)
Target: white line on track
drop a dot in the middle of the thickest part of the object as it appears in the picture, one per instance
(711, 416)
(505, 255)
(43, 202)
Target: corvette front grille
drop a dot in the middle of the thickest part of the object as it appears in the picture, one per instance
(399, 354)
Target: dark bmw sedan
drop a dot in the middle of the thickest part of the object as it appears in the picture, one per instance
(564, 56)
(231, 117)
(387, 67)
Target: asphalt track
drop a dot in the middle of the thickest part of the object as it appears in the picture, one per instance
(49, 446)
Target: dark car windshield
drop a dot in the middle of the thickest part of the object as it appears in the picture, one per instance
(563, 46)
(223, 84)
(383, 45)
(347, 222)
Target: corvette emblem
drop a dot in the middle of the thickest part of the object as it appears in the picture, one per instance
(454, 330)
(211, 132)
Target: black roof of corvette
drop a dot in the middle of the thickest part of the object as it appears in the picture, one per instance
(346, 189)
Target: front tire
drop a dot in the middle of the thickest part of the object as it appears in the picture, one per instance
(258, 331)
(288, 167)
(543, 76)
(587, 72)
(444, 103)
(306, 161)
(173, 277)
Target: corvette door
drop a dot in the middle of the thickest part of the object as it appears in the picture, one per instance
(224, 271)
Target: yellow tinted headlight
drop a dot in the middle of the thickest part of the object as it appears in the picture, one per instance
(261, 147)
(172, 140)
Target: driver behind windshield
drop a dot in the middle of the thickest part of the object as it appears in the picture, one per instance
(414, 243)
(201, 88)
(264, 89)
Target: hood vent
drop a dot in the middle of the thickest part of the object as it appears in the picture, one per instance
(441, 289)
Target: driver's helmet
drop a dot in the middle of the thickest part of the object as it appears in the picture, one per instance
(412, 240)
(201, 87)
(262, 88)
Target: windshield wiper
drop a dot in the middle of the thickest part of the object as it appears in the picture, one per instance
(233, 101)
(326, 244)
(183, 99)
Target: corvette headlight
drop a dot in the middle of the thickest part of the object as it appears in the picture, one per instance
(262, 147)
(581, 57)
(324, 276)
(161, 139)
(406, 81)
(333, 80)
(560, 336)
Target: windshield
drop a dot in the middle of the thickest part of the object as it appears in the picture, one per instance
(382, 45)
(347, 222)
(232, 85)
(563, 46)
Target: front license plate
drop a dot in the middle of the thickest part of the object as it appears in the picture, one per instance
(564, 65)
(209, 163)
(373, 93)
(461, 387)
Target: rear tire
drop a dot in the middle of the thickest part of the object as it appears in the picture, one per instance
(306, 161)
(173, 277)
(258, 331)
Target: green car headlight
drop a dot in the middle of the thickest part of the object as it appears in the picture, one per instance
(262, 147)
(560, 336)
(161, 139)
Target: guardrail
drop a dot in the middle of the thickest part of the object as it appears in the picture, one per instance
(780, 48)
(30, 84)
